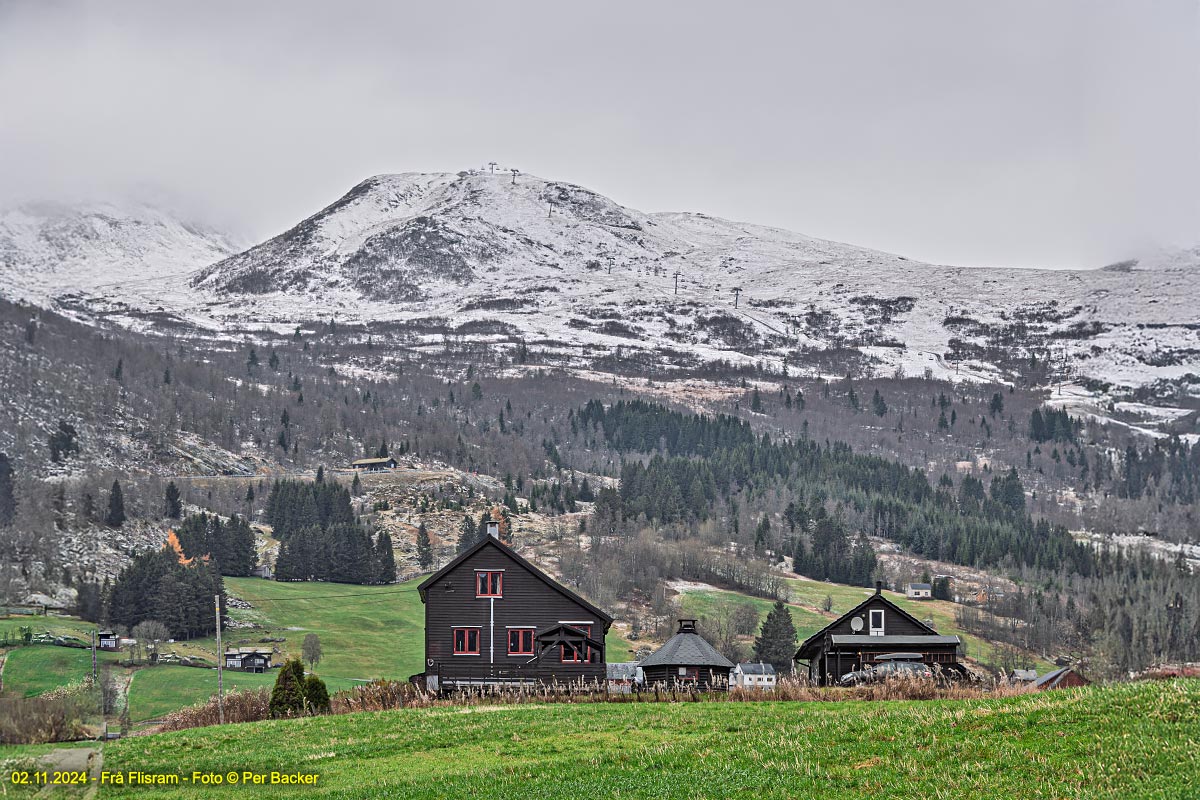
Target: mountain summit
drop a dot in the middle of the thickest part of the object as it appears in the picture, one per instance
(515, 261)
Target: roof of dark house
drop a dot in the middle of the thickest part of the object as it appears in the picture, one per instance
(687, 648)
(364, 461)
(891, 641)
(247, 651)
(1051, 679)
(756, 668)
(491, 541)
(877, 596)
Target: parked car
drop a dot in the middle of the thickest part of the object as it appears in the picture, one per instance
(883, 672)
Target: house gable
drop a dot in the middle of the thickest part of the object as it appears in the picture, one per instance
(491, 553)
(895, 622)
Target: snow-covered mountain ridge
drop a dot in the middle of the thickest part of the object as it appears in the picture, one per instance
(572, 273)
(51, 249)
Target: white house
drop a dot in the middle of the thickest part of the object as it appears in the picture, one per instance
(753, 675)
(918, 591)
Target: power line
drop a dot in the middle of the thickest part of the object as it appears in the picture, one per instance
(329, 596)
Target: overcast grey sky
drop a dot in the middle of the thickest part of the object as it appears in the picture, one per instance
(1043, 133)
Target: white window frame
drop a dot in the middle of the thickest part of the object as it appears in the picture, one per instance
(873, 629)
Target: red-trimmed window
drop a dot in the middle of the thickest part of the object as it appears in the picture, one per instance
(570, 655)
(466, 641)
(520, 641)
(489, 584)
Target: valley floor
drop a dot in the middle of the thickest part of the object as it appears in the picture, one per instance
(1118, 741)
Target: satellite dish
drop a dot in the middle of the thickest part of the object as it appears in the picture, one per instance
(856, 624)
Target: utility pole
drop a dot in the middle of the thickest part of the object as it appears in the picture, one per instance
(737, 294)
(491, 167)
(550, 213)
(220, 663)
(677, 274)
(93, 656)
(514, 172)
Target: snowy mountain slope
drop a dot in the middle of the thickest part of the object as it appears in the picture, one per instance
(51, 249)
(574, 274)
(563, 265)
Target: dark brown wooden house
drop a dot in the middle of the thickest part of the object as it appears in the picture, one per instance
(494, 619)
(874, 628)
(249, 659)
(687, 658)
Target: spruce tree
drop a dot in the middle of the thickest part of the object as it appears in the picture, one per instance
(385, 559)
(878, 404)
(8, 498)
(776, 642)
(468, 535)
(287, 697)
(424, 549)
(116, 507)
(316, 695)
(173, 502)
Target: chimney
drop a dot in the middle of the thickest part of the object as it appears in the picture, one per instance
(878, 587)
(493, 530)
(687, 626)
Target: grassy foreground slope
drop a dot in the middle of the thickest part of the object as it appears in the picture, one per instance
(1120, 741)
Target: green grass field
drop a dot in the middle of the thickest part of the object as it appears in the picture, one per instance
(1117, 741)
(157, 691)
(35, 669)
(380, 633)
(366, 632)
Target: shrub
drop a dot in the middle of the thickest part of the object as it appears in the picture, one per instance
(251, 705)
(58, 716)
(316, 695)
(287, 698)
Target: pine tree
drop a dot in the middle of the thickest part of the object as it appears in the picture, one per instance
(469, 534)
(776, 642)
(878, 405)
(119, 370)
(116, 507)
(424, 549)
(756, 401)
(761, 533)
(385, 559)
(356, 486)
(8, 498)
(173, 504)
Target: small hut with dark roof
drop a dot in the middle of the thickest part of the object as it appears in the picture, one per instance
(687, 658)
